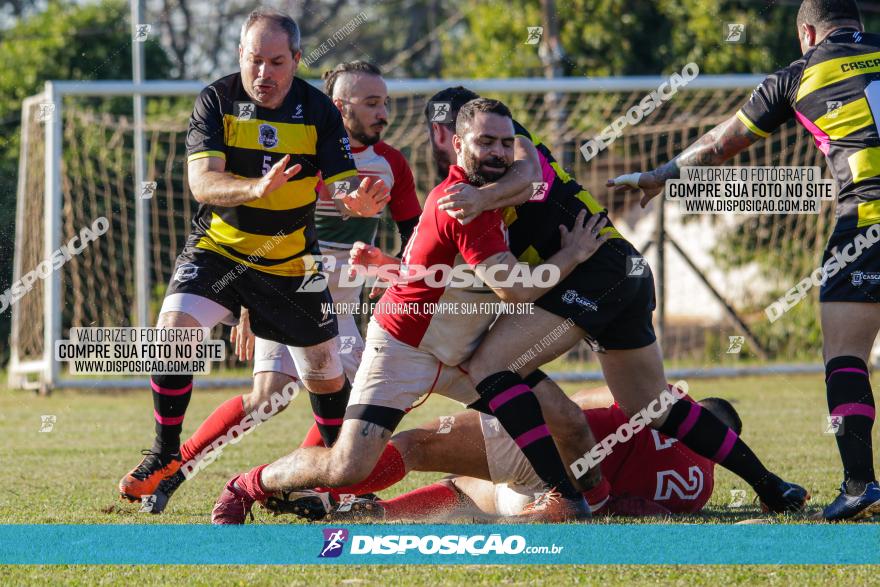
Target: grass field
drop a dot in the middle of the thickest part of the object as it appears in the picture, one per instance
(69, 476)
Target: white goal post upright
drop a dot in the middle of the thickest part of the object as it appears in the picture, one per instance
(30, 372)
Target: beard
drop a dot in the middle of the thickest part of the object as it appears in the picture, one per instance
(364, 135)
(479, 177)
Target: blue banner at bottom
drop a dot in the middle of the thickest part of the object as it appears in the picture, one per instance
(440, 544)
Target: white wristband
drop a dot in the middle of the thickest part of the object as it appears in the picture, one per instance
(630, 179)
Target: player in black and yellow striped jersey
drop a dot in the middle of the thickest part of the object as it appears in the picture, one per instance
(256, 143)
(834, 92)
(607, 300)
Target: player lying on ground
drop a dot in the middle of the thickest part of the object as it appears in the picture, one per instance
(408, 350)
(359, 93)
(253, 239)
(838, 67)
(648, 474)
(599, 301)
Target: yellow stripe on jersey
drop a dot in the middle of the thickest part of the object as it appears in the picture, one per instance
(751, 125)
(560, 172)
(869, 213)
(864, 164)
(590, 202)
(293, 268)
(246, 243)
(595, 207)
(836, 70)
(531, 256)
(204, 154)
(846, 120)
(509, 215)
(293, 194)
(299, 139)
(339, 176)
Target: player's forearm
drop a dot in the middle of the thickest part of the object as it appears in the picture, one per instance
(714, 148)
(566, 260)
(514, 188)
(219, 188)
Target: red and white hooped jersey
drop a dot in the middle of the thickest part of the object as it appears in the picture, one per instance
(436, 319)
(380, 161)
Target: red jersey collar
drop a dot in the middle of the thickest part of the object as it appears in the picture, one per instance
(457, 175)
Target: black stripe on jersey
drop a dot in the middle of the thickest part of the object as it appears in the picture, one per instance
(267, 222)
(249, 162)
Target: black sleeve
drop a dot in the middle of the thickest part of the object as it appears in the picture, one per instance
(772, 102)
(205, 135)
(333, 149)
(521, 131)
(405, 228)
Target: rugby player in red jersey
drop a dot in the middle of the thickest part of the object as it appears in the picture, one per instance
(409, 350)
(647, 474)
(601, 301)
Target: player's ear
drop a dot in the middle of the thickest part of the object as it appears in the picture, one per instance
(808, 35)
(437, 131)
(456, 143)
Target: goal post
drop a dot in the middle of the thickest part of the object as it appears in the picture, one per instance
(77, 160)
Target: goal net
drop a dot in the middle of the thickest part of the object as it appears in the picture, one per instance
(719, 272)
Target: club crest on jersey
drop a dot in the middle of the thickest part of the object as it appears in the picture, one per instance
(859, 277)
(572, 297)
(268, 135)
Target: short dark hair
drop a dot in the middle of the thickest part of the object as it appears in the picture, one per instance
(456, 96)
(280, 19)
(822, 13)
(469, 111)
(331, 76)
(724, 411)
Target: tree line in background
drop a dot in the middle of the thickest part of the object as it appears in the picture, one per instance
(43, 40)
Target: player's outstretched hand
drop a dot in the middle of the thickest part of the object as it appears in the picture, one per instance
(277, 176)
(370, 198)
(647, 182)
(584, 239)
(462, 202)
(242, 338)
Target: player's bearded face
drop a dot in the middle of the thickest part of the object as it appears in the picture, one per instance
(364, 106)
(363, 123)
(486, 150)
(267, 65)
(483, 169)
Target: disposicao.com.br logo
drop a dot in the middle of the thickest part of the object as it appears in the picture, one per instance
(493, 544)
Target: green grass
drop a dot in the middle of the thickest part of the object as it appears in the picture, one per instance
(69, 476)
